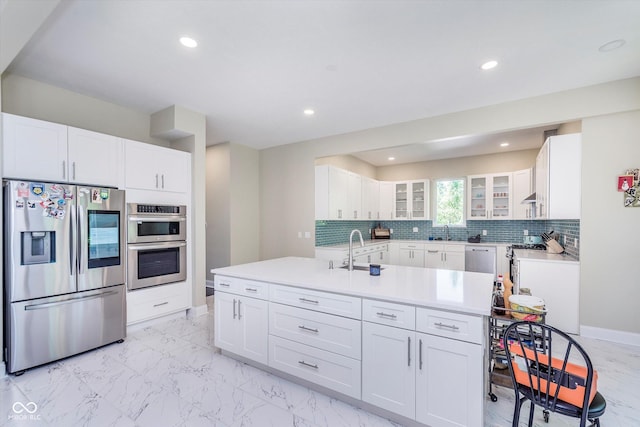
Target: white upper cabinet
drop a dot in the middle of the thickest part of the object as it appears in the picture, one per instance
(370, 198)
(338, 193)
(150, 167)
(411, 200)
(386, 200)
(522, 188)
(558, 169)
(94, 158)
(40, 150)
(489, 196)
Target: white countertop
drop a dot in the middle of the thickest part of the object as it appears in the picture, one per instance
(535, 255)
(460, 291)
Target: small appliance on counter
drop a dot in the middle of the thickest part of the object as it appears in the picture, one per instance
(380, 233)
(474, 239)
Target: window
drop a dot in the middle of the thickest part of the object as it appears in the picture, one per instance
(449, 202)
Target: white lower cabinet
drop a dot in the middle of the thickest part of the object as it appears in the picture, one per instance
(241, 325)
(151, 303)
(449, 382)
(388, 368)
(411, 254)
(449, 257)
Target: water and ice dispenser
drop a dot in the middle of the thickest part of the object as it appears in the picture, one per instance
(38, 247)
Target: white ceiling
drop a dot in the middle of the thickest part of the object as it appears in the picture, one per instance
(358, 64)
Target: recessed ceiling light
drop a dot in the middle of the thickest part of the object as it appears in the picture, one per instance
(391, 158)
(489, 65)
(504, 144)
(612, 45)
(309, 112)
(188, 42)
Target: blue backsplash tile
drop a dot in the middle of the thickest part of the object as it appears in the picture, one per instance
(329, 233)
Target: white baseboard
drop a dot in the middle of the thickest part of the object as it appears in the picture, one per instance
(200, 310)
(132, 327)
(209, 284)
(620, 337)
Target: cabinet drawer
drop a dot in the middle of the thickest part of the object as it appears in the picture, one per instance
(450, 325)
(328, 332)
(388, 313)
(341, 305)
(412, 246)
(238, 286)
(329, 370)
(146, 304)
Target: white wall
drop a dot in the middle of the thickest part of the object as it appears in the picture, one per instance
(610, 233)
(218, 185)
(287, 173)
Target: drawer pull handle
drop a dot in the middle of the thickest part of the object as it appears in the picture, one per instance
(308, 329)
(302, 362)
(444, 325)
(420, 353)
(226, 285)
(388, 316)
(251, 289)
(310, 301)
(408, 351)
(234, 308)
(162, 303)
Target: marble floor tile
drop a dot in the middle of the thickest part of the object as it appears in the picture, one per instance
(170, 374)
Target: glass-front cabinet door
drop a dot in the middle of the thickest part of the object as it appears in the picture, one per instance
(489, 197)
(477, 197)
(419, 192)
(401, 205)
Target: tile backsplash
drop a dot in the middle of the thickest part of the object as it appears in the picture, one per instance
(330, 233)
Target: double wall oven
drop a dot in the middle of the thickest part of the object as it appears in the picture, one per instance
(157, 247)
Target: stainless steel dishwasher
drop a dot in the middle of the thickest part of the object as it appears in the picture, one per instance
(481, 259)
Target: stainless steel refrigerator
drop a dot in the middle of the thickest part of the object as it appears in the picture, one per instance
(64, 271)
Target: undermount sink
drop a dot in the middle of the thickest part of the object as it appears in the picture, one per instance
(359, 267)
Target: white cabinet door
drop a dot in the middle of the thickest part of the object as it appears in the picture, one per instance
(454, 259)
(489, 196)
(449, 382)
(411, 257)
(241, 326)
(433, 255)
(94, 158)
(522, 188)
(149, 167)
(386, 200)
(338, 191)
(419, 199)
(388, 368)
(370, 199)
(558, 193)
(354, 196)
(542, 181)
(34, 149)
(558, 284)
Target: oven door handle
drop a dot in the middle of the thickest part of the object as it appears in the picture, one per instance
(147, 247)
(157, 219)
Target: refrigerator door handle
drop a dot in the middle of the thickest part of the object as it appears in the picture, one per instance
(80, 247)
(71, 242)
(68, 301)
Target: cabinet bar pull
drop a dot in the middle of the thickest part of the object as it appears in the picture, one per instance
(162, 180)
(226, 285)
(310, 301)
(73, 167)
(443, 325)
(432, 252)
(251, 289)
(156, 180)
(408, 351)
(302, 362)
(239, 315)
(389, 316)
(64, 169)
(162, 303)
(234, 308)
(420, 353)
(308, 329)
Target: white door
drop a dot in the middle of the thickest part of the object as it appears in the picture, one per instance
(34, 149)
(478, 197)
(386, 200)
(521, 190)
(388, 368)
(419, 197)
(338, 199)
(433, 257)
(449, 384)
(500, 206)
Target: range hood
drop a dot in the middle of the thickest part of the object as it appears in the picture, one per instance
(530, 199)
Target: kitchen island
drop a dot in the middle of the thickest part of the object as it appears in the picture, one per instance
(408, 344)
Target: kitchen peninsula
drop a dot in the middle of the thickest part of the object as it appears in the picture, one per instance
(408, 344)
